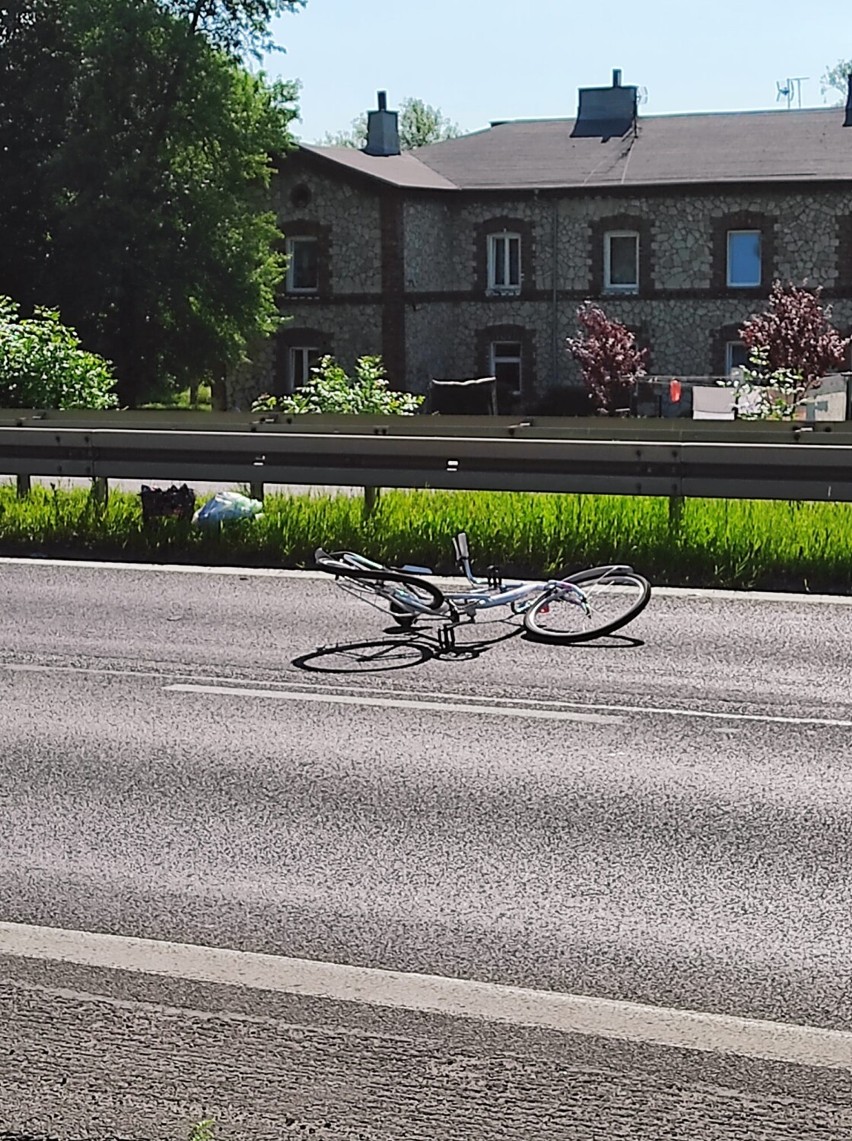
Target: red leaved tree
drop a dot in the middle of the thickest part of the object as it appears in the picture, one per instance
(608, 356)
(795, 333)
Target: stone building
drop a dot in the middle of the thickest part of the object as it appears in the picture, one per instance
(470, 257)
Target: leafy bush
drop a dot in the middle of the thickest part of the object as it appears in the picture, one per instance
(608, 357)
(43, 366)
(330, 390)
(764, 393)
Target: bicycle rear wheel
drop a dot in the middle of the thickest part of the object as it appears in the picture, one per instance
(614, 596)
(405, 597)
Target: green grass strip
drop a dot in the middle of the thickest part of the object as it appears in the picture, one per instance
(739, 544)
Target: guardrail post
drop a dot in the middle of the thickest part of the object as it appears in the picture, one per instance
(675, 512)
(371, 499)
(24, 485)
(100, 490)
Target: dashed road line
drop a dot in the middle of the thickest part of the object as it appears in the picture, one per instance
(398, 703)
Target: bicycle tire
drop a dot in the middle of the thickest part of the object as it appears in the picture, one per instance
(331, 563)
(620, 578)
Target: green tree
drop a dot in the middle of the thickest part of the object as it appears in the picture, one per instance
(836, 79)
(43, 366)
(233, 26)
(419, 125)
(142, 153)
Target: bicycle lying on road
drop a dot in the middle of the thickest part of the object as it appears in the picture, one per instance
(576, 608)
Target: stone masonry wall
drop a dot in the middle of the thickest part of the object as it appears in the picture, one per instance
(346, 315)
(349, 210)
(352, 331)
(684, 310)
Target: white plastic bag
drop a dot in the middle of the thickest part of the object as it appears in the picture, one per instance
(225, 507)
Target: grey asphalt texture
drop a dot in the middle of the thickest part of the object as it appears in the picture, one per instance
(686, 850)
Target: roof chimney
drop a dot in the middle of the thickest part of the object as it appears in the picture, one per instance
(382, 130)
(847, 122)
(606, 112)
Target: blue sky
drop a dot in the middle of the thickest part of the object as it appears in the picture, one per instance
(480, 60)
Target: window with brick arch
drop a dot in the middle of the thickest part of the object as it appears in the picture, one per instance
(503, 258)
(743, 253)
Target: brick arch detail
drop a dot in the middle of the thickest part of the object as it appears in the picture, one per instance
(719, 338)
(508, 332)
(844, 251)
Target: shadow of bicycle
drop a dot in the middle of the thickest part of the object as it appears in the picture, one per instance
(605, 642)
(402, 649)
(408, 649)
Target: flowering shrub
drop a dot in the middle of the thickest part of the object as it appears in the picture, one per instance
(792, 346)
(761, 393)
(608, 357)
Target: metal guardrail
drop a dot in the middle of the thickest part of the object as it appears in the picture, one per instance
(741, 460)
(537, 427)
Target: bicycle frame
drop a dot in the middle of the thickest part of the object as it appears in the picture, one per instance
(397, 590)
(465, 603)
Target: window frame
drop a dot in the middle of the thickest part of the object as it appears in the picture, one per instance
(494, 359)
(289, 283)
(730, 345)
(609, 285)
(511, 289)
(731, 233)
(293, 354)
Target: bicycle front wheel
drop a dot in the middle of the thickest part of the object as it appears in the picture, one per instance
(613, 597)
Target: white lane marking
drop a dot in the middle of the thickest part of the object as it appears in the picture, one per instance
(787, 598)
(166, 568)
(534, 702)
(299, 687)
(437, 994)
(397, 703)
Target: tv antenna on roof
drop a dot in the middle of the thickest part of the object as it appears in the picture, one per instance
(791, 89)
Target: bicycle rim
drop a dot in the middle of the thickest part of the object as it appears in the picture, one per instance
(612, 600)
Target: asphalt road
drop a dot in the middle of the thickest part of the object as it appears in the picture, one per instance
(662, 817)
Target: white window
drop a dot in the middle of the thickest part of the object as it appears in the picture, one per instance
(736, 355)
(506, 362)
(302, 360)
(621, 261)
(744, 258)
(303, 265)
(504, 263)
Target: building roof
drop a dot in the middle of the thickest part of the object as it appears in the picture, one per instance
(667, 150)
(399, 170)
